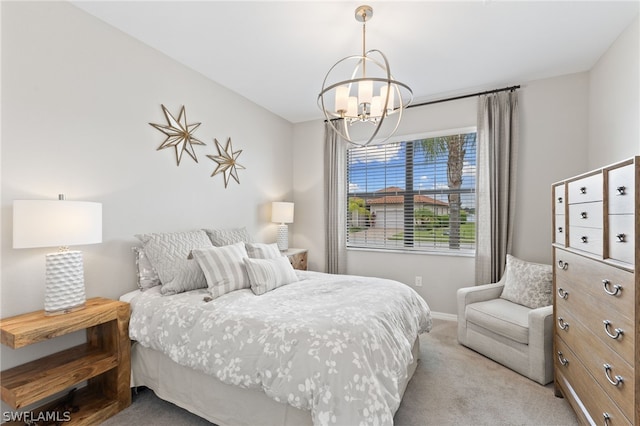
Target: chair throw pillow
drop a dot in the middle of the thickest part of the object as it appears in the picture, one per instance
(528, 284)
(224, 268)
(268, 274)
(168, 254)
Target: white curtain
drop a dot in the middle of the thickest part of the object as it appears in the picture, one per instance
(496, 184)
(335, 189)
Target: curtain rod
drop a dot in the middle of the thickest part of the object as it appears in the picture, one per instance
(455, 98)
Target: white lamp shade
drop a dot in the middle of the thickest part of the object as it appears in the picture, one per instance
(54, 223)
(281, 212)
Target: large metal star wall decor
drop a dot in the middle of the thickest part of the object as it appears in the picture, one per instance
(179, 134)
(227, 161)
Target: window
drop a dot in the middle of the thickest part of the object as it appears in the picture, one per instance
(417, 195)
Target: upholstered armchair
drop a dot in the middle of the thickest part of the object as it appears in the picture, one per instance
(517, 336)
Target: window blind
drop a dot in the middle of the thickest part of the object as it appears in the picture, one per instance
(416, 195)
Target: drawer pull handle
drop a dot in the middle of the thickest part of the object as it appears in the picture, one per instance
(562, 359)
(583, 189)
(562, 293)
(584, 239)
(583, 215)
(616, 288)
(560, 229)
(621, 190)
(562, 324)
(607, 418)
(559, 200)
(622, 238)
(563, 265)
(618, 331)
(616, 381)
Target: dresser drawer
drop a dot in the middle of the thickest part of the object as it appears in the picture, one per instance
(587, 215)
(559, 199)
(606, 366)
(620, 191)
(617, 333)
(622, 238)
(590, 276)
(560, 228)
(586, 239)
(586, 189)
(571, 375)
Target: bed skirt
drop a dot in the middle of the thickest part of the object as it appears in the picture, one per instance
(220, 403)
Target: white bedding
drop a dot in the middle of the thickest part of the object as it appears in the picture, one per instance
(338, 346)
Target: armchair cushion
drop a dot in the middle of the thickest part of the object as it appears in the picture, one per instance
(502, 317)
(528, 284)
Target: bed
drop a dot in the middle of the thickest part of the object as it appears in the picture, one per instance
(323, 349)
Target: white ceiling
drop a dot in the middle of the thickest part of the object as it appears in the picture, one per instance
(277, 53)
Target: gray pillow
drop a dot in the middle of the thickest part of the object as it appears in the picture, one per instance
(268, 274)
(263, 251)
(168, 254)
(147, 277)
(528, 284)
(225, 237)
(223, 268)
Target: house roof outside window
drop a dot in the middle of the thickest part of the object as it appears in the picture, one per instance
(399, 199)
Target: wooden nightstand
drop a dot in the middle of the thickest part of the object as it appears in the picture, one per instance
(297, 257)
(104, 360)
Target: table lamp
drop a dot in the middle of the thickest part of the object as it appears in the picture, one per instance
(61, 223)
(282, 213)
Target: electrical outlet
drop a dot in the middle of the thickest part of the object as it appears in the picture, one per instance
(418, 281)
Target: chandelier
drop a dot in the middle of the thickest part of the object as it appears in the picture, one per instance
(367, 98)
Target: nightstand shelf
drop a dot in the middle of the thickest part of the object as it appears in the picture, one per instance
(297, 257)
(104, 361)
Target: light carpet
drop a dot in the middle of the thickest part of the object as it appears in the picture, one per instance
(452, 385)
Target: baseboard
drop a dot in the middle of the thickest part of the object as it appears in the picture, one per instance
(444, 316)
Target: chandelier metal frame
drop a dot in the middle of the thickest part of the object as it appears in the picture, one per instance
(366, 109)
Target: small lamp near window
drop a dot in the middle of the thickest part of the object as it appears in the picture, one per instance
(61, 223)
(282, 213)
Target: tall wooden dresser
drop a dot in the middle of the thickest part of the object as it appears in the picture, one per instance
(597, 293)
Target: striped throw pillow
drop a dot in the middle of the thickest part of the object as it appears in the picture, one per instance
(263, 251)
(223, 268)
(268, 274)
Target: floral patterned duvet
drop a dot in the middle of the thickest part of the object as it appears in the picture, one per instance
(333, 344)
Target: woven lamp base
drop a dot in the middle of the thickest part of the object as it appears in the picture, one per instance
(64, 290)
(283, 237)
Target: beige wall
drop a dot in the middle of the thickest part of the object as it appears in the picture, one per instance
(553, 131)
(77, 97)
(614, 110)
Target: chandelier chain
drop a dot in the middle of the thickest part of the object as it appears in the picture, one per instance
(364, 40)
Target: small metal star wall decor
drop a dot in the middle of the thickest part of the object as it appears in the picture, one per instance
(227, 162)
(179, 134)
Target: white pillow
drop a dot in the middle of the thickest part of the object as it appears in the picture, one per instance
(263, 251)
(528, 284)
(223, 268)
(168, 254)
(268, 274)
(225, 237)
